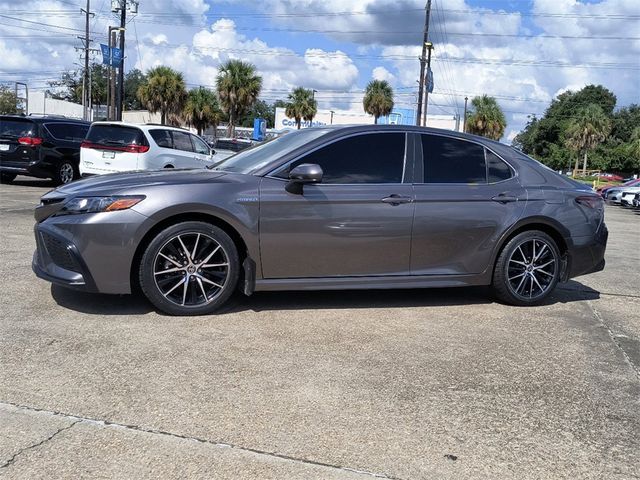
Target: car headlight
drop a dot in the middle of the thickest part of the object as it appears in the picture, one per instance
(99, 204)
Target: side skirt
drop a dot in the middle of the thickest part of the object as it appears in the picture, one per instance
(377, 282)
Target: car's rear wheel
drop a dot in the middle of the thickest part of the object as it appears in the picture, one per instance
(190, 268)
(65, 173)
(527, 269)
(7, 177)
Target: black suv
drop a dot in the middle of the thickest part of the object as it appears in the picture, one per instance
(43, 146)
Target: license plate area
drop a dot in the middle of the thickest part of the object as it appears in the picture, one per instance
(109, 155)
(4, 147)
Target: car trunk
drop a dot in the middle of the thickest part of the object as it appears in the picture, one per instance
(112, 148)
(19, 142)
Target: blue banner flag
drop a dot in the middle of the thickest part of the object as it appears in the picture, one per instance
(430, 81)
(106, 54)
(116, 57)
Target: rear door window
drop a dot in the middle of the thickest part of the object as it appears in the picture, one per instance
(15, 128)
(449, 160)
(162, 138)
(115, 135)
(182, 141)
(71, 132)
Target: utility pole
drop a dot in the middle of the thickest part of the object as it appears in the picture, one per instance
(426, 90)
(123, 23)
(423, 61)
(464, 119)
(86, 77)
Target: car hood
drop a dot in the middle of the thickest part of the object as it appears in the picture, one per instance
(115, 182)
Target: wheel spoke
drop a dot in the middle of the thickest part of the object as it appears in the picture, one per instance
(522, 254)
(195, 248)
(211, 265)
(539, 267)
(211, 254)
(209, 281)
(517, 276)
(170, 259)
(204, 294)
(537, 283)
(170, 270)
(182, 280)
(537, 257)
(184, 291)
(521, 283)
(546, 273)
(186, 252)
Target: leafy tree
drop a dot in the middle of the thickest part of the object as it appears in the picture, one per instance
(590, 128)
(260, 109)
(633, 148)
(301, 105)
(238, 87)
(69, 86)
(8, 101)
(164, 92)
(202, 109)
(133, 80)
(378, 99)
(486, 118)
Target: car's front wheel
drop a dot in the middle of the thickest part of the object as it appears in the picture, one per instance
(190, 268)
(527, 269)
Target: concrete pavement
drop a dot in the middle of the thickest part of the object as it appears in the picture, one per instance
(397, 384)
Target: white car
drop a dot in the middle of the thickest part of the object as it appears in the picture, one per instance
(627, 197)
(119, 147)
(615, 194)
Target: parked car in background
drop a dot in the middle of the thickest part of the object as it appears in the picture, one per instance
(614, 195)
(232, 144)
(610, 177)
(40, 146)
(119, 147)
(362, 207)
(629, 183)
(626, 198)
(636, 201)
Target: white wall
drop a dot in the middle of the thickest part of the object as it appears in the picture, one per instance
(323, 117)
(40, 105)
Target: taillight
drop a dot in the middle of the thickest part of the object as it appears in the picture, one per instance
(590, 201)
(124, 148)
(33, 141)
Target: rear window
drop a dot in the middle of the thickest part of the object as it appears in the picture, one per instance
(67, 131)
(115, 135)
(13, 128)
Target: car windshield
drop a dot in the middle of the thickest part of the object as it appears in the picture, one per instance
(254, 158)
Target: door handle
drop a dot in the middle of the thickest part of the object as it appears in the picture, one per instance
(396, 199)
(504, 198)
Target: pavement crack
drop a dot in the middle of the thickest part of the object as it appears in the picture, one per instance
(36, 445)
(614, 338)
(95, 422)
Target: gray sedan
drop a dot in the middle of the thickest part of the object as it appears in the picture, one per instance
(365, 207)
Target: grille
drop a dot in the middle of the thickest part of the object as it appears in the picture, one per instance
(59, 253)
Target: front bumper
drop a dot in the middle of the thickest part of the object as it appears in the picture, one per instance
(586, 255)
(57, 260)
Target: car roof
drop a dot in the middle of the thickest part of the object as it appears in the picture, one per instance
(46, 118)
(142, 126)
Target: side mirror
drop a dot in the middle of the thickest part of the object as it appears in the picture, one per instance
(304, 173)
(212, 152)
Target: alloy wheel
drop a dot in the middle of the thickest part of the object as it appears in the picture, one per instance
(66, 173)
(531, 269)
(191, 269)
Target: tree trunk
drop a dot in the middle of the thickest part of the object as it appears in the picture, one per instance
(298, 122)
(577, 164)
(584, 165)
(230, 129)
(163, 117)
(376, 119)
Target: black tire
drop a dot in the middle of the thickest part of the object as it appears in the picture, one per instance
(519, 278)
(6, 177)
(193, 287)
(66, 172)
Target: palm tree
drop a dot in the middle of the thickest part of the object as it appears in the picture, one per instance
(238, 88)
(202, 109)
(164, 92)
(378, 99)
(586, 131)
(633, 149)
(301, 105)
(486, 118)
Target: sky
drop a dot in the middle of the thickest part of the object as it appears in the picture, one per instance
(522, 52)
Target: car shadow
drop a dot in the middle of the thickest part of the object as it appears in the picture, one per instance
(102, 304)
(31, 182)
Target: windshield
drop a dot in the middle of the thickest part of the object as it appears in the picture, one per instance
(254, 158)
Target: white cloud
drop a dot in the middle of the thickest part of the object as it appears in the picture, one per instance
(381, 73)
